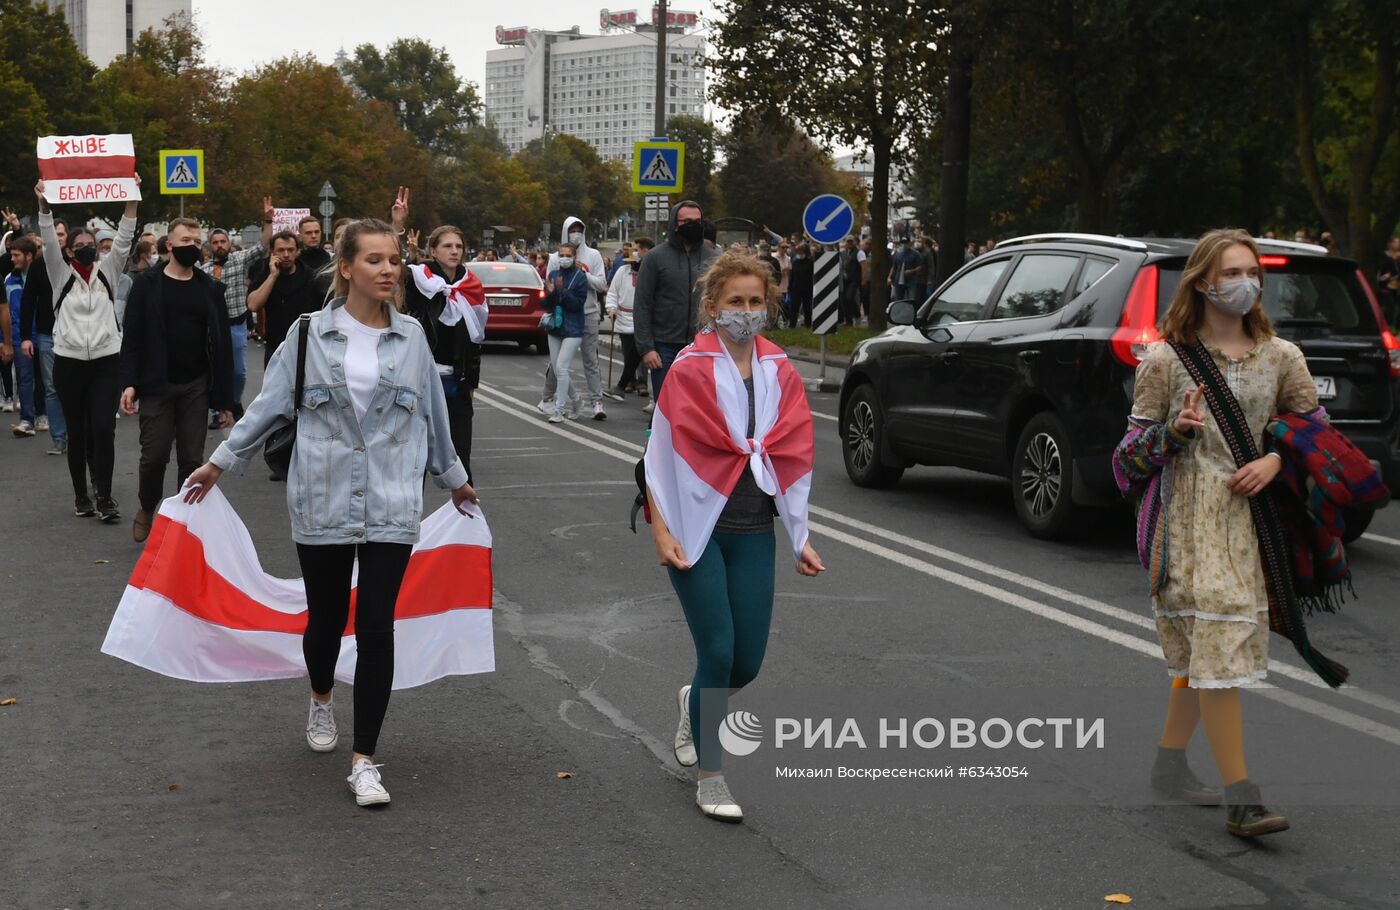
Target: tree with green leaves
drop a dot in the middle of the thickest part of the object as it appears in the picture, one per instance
(420, 83)
(44, 90)
(1345, 62)
(771, 171)
(576, 180)
(852, 72)
(701, 140)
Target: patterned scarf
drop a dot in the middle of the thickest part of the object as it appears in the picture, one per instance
(1275, 548)
(1326, 474)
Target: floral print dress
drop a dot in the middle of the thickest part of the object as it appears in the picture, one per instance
(1212, 610)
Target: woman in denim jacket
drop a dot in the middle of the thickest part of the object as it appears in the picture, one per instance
(373, 416)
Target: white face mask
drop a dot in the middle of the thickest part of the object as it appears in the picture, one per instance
(566, 262)
(741, 325)
(1235, 297)
(576, 237)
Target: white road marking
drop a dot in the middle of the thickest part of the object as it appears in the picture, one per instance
(620, 449)
(1378, 538)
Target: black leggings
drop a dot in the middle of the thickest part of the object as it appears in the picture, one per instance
(326, 570)
(631, 362)
(89, 391)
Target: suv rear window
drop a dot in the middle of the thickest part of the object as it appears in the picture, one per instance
(1306, 293)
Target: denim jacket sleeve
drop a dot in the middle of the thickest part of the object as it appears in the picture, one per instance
(271, 409)
(443, 463)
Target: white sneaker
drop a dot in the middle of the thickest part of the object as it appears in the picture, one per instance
(684, 746)
(651, 406)
(598, 412)
(42, 424)
(713, 797)
(7, 405)
(546, 407)
(574, 407)
(23, 428)
(556, 417)
(321, 734)
(365, 784)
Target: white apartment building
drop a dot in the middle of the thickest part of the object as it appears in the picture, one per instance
(599, 88)
(105, 29)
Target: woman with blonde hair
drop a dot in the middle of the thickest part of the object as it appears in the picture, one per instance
(1208, 527)
(371, 418)
(731, 445)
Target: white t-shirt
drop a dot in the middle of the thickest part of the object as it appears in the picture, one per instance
(361, 359)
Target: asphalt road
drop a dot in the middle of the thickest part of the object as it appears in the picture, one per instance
(122, 789)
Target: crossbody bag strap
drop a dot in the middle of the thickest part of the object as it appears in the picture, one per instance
(303, 332)
(1275, 551)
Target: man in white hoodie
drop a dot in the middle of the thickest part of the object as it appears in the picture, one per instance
(592, 262)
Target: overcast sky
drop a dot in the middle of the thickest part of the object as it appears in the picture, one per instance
(241, 34)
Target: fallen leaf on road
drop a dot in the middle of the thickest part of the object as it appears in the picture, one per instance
(563, 775)
(174, 786)
(5, 703)
(1118, 899)
(103, 562)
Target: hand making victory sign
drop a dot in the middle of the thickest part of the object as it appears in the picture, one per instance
(1191, 415)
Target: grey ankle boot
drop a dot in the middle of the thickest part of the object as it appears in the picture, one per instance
(1172, 778)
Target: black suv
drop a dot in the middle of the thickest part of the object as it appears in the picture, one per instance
(1021, 365)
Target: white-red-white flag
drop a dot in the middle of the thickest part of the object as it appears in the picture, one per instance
(699, 446)
(199, 606)
(88, 168)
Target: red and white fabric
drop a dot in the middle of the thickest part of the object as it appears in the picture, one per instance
(466, 300)
(699, 448)
(199, 606)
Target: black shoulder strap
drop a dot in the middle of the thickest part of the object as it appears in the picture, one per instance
(1229, 416)
(58, 301)
(303, 331)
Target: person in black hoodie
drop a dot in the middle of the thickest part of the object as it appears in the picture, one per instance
(427, 288)
(666, 302)
(177, 360)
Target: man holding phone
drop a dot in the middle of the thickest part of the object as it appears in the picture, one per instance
(283, 286)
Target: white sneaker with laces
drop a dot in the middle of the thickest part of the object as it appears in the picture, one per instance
(574, 407)
(42, 424)
(546, 407)
(713, 797)
(366, 785)
(651, 406)
(22, 429)
(598, 412)
(321, 734)
(7, 405)
(556, 417)
(684, 746)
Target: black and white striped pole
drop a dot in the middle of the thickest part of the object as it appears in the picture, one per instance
(826, 300)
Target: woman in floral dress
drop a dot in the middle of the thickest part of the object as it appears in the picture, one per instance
(1208, 590)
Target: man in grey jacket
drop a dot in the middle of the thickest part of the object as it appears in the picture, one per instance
(666, 303)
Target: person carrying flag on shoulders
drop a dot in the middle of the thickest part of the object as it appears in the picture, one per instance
(731, 445)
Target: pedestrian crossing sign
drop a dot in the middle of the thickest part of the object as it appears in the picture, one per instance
(658, 166)
(182, 171)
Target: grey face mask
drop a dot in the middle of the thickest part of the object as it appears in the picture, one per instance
(1236, 297)
(741, 326)
(576, 237)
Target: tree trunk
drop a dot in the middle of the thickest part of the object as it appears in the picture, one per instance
(879, 227)
(957, 151)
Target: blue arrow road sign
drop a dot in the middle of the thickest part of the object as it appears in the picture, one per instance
(827, 219)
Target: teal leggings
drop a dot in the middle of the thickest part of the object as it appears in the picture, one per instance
(727, 596)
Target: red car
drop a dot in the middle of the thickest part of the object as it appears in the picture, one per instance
(514, 294)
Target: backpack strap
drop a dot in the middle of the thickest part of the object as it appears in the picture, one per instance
(303, 331)
(72, 280)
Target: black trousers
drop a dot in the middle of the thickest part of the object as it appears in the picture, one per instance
(89, 392)
(326, 571)
(631, 363)
(459, 421)
(802, 307)
(179, 415)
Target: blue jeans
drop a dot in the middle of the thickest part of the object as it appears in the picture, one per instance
(58, 429)
(668, 354)
(239, 333)
(24, 367)
(561, 356)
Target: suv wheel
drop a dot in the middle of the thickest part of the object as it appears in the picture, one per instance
(1041, 471)
(863, 441)
(1357, 521)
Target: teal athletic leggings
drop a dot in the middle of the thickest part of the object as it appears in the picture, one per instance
(727, 596)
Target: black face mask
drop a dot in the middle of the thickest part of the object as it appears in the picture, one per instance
(186, 255)
(85, 256)
(690, 231)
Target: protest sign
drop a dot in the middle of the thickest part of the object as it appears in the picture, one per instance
(288, 219)
(88, 168)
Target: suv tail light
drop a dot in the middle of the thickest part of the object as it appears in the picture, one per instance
(1392, 344)
(1138, 328)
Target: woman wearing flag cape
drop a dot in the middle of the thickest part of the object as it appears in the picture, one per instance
(372, 417)
(731, 445)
